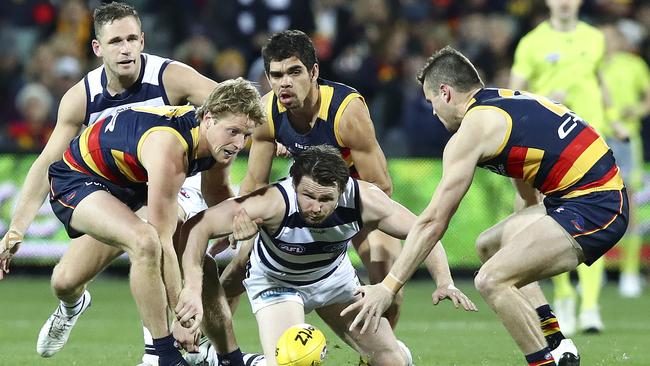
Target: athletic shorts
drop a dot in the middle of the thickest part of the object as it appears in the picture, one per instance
(190, 197)
(597, 220)
(69, 187)
(339, 287)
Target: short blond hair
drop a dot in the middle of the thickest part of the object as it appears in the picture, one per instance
(236, 96)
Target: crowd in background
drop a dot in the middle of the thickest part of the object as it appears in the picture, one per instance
(376, 46)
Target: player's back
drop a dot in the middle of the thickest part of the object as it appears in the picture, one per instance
(334, 98)
(110, 148)
(548, 145)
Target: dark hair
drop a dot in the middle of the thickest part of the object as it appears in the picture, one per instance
(323, 164)
(448, 66)
(288, 43)
(107, 13)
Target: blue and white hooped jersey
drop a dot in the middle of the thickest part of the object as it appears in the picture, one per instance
(148, 91)
(301, 254)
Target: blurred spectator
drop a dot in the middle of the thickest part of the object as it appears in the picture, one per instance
(67, 72)
(229, 64)
(32, 130)
(198, 52)
(74, 24)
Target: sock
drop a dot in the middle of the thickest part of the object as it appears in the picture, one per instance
(562, 287)
(591, 280)
(550, 326)
(234, 358)
(253, 359)
(631, 254)
(539, 358)
(168, 355)
(148, 342)
(73, 308)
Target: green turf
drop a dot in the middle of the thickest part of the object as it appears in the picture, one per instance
(110, 334)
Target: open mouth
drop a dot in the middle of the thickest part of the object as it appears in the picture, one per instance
(126, 62)
(229, 153)
(285, 97)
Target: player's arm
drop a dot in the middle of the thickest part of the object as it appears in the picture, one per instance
(185, 84)
(265, 205)
(69, 121)
(166, 162)
(471, 143)
(381, 212)
(215, 184)
(260, 158)
(357, 132)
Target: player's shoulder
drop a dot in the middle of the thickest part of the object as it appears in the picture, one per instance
(542, 30)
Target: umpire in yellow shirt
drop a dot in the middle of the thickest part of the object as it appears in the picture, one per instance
(560, 59)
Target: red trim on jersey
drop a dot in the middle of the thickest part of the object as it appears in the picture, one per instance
(569, 155)
(609, 175)
(67, 156)
(516, 161)
(139, 173)
(95, 151)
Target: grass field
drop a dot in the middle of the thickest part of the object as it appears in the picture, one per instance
(110, 334)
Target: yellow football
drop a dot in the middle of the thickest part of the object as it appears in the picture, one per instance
(301, 345)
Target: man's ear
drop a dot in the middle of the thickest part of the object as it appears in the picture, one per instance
(97, 50)
(315, 72)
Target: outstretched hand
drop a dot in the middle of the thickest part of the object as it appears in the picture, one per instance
(185, 337)
(374, 301)
(455, 295)
(9, 245)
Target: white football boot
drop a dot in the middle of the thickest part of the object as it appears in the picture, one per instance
(57, 328)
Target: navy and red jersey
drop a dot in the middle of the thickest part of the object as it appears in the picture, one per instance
(110, 148)
(334, 98)
(548, 146)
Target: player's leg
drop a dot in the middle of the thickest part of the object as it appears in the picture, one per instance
(217, 319)
(107, 219)
(273, 320)
(544, 249)
(381, 348)
(82, 261)
(630, 279)
(490, 241)
(377, 252)
(232, 278)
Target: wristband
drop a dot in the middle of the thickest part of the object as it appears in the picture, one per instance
(392, 283)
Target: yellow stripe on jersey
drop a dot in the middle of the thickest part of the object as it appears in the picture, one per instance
(269, 113)
(614, 184)
(339, 113)
(508, 119)
(326, 94)
(195, 141)
(168, 111)
(585, 161)
(532, 163)
(85, 152)
(118, 157)
(160, 128)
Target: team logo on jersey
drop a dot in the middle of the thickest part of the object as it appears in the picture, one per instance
(292, 248)
(70, 196)
(331, 248)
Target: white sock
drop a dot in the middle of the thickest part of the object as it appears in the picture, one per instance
(73, 308)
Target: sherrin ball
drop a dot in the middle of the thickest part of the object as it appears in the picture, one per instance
(301, 345)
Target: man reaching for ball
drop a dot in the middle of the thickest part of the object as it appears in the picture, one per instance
(299, 261)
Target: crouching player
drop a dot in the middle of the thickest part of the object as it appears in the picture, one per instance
(299, 261)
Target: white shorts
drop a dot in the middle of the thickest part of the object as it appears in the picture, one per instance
(190, 198)
(337, 288)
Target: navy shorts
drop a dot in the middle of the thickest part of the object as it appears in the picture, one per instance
(597, 221)
(69, 187)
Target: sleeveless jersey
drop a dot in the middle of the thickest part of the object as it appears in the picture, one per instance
(301, 254)
(548, 146)
(110, 148)
(148, 90)
(334, 98)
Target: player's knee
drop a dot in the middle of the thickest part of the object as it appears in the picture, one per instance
(486, 246)
(486, 282)
(65, 281)
(147, 247)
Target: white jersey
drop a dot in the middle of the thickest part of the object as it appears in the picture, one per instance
(301, 254)
(147, 91)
